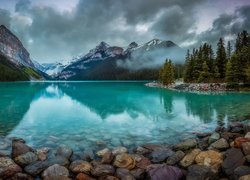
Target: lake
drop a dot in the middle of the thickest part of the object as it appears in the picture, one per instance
(90, 115)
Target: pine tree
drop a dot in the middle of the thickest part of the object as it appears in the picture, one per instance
(229, 50)
(204, 74)
(167, 73)
(221, 58)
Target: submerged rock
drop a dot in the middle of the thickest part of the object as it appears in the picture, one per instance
(189, 158)
(163, 172)
(124, 161)
(25, 159)
(19, 148)
(102, 152)
(160, 155)
(8, 167)
(64, 151)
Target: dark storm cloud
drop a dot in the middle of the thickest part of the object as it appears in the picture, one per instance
(51, 34)
(22, 5)
(5, 17)
(227, 26)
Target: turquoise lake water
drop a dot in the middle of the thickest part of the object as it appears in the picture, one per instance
(89, 114)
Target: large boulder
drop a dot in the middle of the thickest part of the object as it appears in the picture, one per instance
(163, 172)
(80, 166)
(210, 158)
(103, 170)
(234, 158)
(55, 170)
(8, 168)
(64, 151)
(199, 172)
(19, 147)
(189, 158)
(186, 145)
(26, 159)
(124, 161)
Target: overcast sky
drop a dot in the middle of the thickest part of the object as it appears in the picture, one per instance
(53, 30)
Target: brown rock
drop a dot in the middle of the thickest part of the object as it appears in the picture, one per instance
(239, 141)
(186, 145)
(119, 150)
(124, 161)
(138, 173)
(189, 158)
(107, 158)
(82, 176)
(54, 177)
(210, 158)
(19, 148)
(246, 177)
(80, 166)
(108, 178)
(102, 152)
(174, 159)
(123, 173)
(21, 176)
(8, 167)
(26, 158)
(141, 161)
(220, 144)
(42, 153)
(229, 135)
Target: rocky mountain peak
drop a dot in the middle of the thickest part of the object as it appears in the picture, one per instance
(132, 45)
(13, 49)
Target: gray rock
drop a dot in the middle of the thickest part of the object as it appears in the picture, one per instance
(246, 126)
(220, 144)
(234, 158)
(123, 173)
(55, 170)
(175, 158)
(186, 145)
(8, 168)
(64, 151)
(21, 176)
(26, 159)
(160, 155)
(138, 173)
(214, 137)
(199, 172)
(246, 148)
(241, 171)
(38, 166)
(119, 150)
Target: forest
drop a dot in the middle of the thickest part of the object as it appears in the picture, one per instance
(229, 64)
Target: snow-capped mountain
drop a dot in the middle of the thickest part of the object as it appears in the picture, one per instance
(103, 53)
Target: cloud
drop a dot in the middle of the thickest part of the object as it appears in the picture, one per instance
(5, 17)
(51, 33)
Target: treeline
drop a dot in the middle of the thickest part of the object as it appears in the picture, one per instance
(228, 64)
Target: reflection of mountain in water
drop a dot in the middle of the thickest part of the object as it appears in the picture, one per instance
(15, 101)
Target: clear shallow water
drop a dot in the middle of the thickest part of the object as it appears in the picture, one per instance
(83, 114)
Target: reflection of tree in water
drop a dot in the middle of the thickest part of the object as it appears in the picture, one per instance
(166, 98)
(233, 106)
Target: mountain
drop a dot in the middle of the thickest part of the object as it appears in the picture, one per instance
(15, 62)
(105, 62)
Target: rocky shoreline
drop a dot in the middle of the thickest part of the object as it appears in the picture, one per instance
(193, 87)
(222, 154)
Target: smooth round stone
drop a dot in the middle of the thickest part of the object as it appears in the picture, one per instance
(124, 161)
(175, 158)
(189, 158)
(80, 166)
(19, 148)
(82, 176)
(55, 170)
(197, 172)
(242, 171)
(220, 144)
(103, 170)
(102, 152)
(186, 145)
(64, 151)
(214, 137)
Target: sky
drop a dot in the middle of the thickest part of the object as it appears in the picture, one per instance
(55, 30)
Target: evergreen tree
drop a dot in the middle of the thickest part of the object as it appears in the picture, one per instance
(167, 73)
(204, 74)
(229, 50)
(221, 58)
